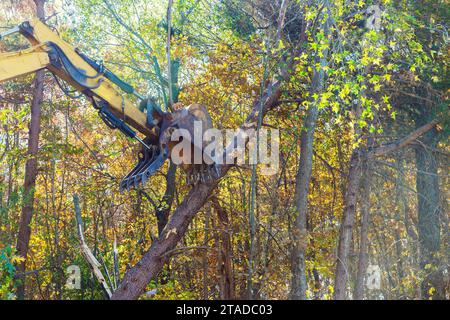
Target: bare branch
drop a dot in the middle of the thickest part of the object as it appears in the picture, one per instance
(90, 258)
(403, 142)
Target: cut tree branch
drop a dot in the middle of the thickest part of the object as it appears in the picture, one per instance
(87, 254)
(403, 142)
(137, 278)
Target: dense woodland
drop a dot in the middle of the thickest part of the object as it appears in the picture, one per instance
(357, 210)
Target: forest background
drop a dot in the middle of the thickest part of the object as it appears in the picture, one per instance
(358, 209)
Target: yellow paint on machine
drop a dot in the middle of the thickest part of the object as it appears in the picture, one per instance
(15, 64)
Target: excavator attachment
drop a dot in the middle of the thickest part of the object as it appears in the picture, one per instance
(186, 119)
(150, 160)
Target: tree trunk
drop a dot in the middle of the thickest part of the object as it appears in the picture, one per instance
(348, 219)
(429, 207)
(303, 178)
(404, 211)
(365, 219)
(137, 278)
(226, 283)
(31, 169)
(345, 231)
(162, 212)
(205, 253)
(299, 285)
(399, 215)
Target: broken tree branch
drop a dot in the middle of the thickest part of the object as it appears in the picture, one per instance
(403, 142)
(90, 258)
(137, 278)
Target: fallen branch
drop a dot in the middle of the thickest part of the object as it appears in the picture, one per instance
(90, 258)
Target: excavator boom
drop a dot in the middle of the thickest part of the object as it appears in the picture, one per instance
(104, 89)
(50, 51)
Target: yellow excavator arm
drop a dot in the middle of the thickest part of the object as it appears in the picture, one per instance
(106, 92)
(53, 53)
(23, 62)
(97, 83)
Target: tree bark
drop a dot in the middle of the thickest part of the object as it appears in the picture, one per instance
(31, 169)
(428, 198)
(162, 212)
(365, 219)
(205, 253)
(346, 229)
(298, 282)
(303, 178)
(169, 62)
(226, 283)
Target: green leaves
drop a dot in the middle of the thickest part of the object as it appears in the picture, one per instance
(7, 270)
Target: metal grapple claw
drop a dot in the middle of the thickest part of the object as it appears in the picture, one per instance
(148, 163)
(153, 157)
